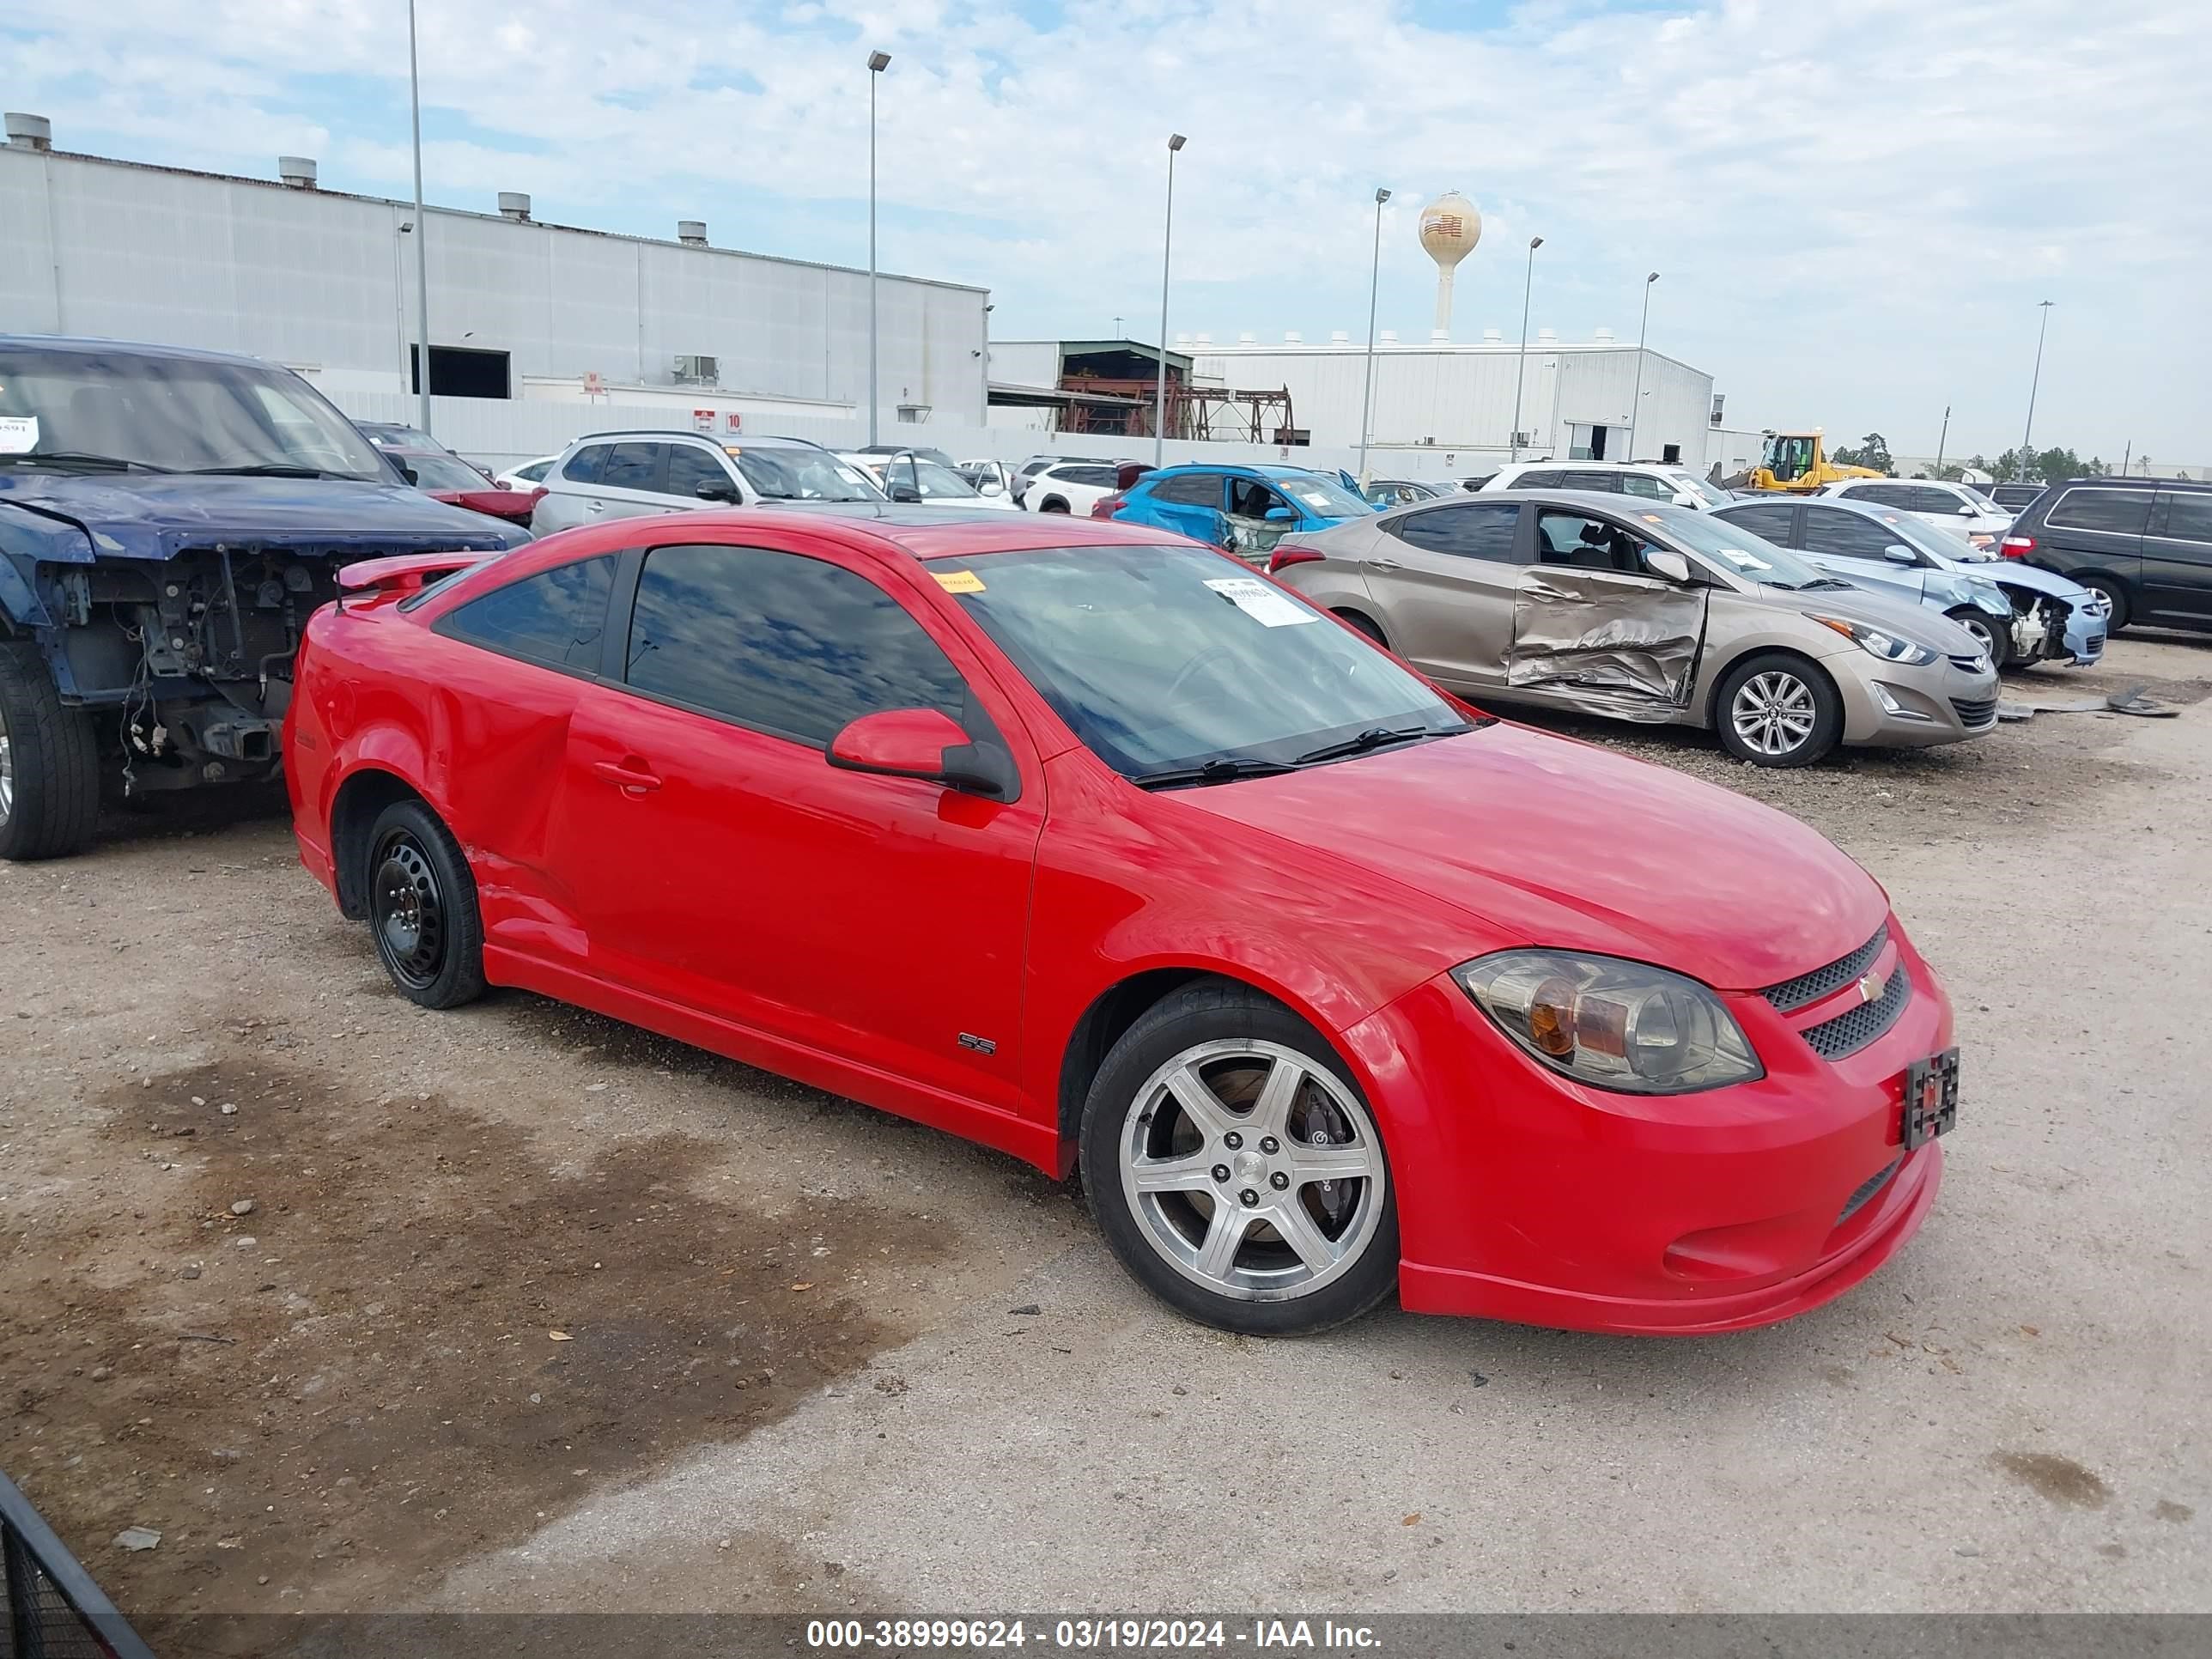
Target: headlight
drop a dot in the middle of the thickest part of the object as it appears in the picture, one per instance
(1621, 1026)
(1875, 642)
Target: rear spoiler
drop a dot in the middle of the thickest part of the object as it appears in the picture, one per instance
(406, 573)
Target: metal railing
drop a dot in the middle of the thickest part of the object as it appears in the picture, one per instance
(52, 1608)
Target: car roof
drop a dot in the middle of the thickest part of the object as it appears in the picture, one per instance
(2128, 484)
(663, 434)
(89, 344)
(929, 533)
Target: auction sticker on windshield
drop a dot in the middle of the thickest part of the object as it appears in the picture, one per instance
(1743, 560)
(959, 581)
(1257, 601)
(19, 434)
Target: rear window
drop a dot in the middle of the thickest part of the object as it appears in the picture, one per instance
(2117, 512)
(556, 617)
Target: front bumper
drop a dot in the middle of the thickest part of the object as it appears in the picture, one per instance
(1888, 705)
(1527, 1197)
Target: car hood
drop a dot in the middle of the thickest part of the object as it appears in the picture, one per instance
(1888, 609)
(156, 515)
(1560, 843)
(2011, 573)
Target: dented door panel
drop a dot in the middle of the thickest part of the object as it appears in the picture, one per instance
(1606, 642)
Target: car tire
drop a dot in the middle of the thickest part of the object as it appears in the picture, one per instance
(1366, 625)
(423, 908)
(2111, 588)
(1053, 504)
(1780, 698)
(1208, 1182)
(1994, 638)
(49, 763)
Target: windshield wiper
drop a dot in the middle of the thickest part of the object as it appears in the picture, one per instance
(1221, 771)
(1824, 584)
(262, 469)
(1375, 737)
(84, 457)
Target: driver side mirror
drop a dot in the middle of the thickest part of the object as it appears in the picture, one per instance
(716, 490)
(928, 744)
(408, 472)
(1897, 553)
(989, 487)
(1663, 561)
(1280, 515)
(904, 492)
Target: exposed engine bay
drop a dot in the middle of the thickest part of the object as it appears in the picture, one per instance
(192, 657)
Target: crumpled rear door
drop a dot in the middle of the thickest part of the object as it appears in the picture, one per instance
(1606, 642)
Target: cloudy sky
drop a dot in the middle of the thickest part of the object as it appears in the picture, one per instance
(1855, 205)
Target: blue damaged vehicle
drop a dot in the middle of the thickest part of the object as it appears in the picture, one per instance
(169, 519)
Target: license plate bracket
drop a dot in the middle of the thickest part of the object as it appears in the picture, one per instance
(1931, 1099)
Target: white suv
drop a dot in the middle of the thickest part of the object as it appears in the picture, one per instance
(1656, 481)
(1960, 507)
(624, 475)
(1071, 487)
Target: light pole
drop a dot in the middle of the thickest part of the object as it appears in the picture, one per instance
(421, 236)
(1367, 393)
(878, 63)
(1943, 439)
(1636, 404)
(1175, 142)
(2027, 455)
(1520, 370)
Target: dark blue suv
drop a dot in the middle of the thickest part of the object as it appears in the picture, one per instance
(168, 521)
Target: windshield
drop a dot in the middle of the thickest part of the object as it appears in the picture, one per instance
(1946, 542)
(1164, 658)
(1320, 494)
(936, 483)
(804, 475)
(1732, 547)
(1787, 457)
(440, 470)
(1707, 493)
(173, 415)
(1982, 503)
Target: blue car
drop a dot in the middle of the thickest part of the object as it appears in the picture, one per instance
(1244, 509)
(169, 519)
(2020, 616)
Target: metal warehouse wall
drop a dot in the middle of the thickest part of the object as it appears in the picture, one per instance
(1460, 397)
(326, 282)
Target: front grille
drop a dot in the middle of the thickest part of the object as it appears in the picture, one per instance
(2095, 605)
(1847, 1033)
(1976, 711)
(1794, 993)
(1970, 662)
(1873, 1184)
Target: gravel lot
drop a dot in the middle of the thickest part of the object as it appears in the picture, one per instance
(362, 1307)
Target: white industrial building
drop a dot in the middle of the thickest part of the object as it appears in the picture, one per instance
(1577, 399)
(520, 313)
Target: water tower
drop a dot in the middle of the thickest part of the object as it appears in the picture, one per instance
(1451, 227)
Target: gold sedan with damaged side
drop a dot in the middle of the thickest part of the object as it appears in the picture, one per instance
(1587, 602)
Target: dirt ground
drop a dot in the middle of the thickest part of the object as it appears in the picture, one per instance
(362, 1307)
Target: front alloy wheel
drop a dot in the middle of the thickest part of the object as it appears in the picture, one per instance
(1773, 713)
(1235, 1168)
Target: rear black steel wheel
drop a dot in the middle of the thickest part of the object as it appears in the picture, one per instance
(423, 908)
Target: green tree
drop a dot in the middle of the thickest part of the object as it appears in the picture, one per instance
(2046, 466)
(1873, 451)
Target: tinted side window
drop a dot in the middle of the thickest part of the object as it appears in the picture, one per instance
(1920, 498)
(584, 465)
(2121, 512)
(690, 467)
(555, 616)
(1536, 481)
(2189, 518)
(1845, 535)
(1609, 482)
(631, 466)
(1642, 483)
(1769, 520)
(1190, 489)
(785, 644)
(1097, 477)
(1883, 495)
(1472, 531)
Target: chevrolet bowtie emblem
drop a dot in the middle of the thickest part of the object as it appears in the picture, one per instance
(1869, 989)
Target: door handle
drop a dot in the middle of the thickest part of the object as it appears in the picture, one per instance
(1382, 564)
(595, 506)
(635, 779)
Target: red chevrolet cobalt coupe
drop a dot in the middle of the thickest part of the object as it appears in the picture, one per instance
(1090, 843)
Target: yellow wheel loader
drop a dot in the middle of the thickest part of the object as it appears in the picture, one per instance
(1795, 463)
